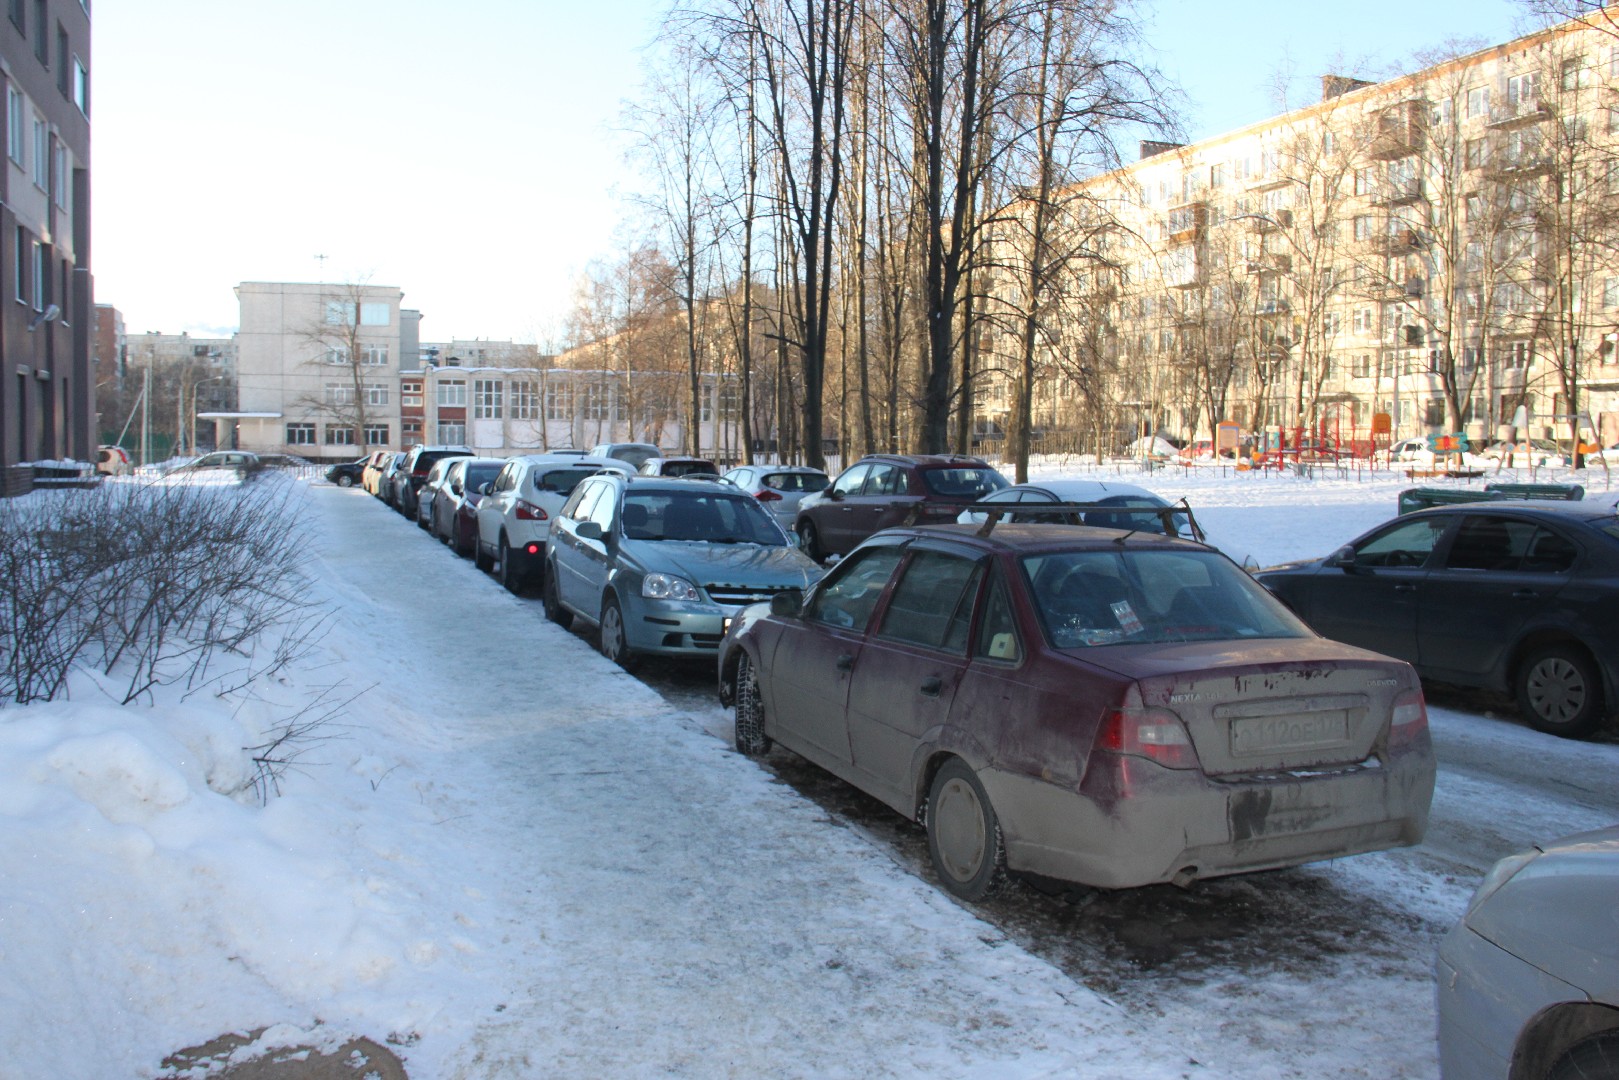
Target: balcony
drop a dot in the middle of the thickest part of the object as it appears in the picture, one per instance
(1509, 115)
(1271, 262)
(1271, 221)
(1504, 169)
(1400, 131)
(1274, 306)
(1396, 243)
(1399, 193)
(1186, 222)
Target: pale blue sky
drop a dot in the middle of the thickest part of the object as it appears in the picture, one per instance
(467, 153)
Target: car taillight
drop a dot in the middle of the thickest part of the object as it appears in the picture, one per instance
(1410, 718)
(527, 511)
(768, 496)
(1155, 734)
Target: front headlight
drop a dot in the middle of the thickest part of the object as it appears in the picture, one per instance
(668, 587)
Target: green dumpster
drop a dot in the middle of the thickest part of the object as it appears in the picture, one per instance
(1567, 492)
(1422, 498)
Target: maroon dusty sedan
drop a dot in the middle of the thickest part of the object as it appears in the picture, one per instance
(454, 514)
(1092, 705)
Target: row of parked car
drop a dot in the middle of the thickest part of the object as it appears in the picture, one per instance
(1066, 681)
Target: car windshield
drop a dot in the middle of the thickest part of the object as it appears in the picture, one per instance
(963, 482)
(690, 468)
(1136, 596)
(562, 481)
(709, 517)
(790, 481)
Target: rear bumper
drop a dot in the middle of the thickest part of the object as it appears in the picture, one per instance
(1142, 824)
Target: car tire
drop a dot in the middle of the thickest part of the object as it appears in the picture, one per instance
(809, 541)
(345, 481)
(964, 835)
(751, 739)
(1560, 692)
(460, 547)
(510, 577)
(553, 602)
(421, 522)
(614, 644)
(1593, 1058)
(479, 559)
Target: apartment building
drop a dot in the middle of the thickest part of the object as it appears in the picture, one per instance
(1433, 254)
(318, 368)
(46, 325)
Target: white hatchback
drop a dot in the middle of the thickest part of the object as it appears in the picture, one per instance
(514, 516)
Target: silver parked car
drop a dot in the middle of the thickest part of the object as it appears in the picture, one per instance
(663, 565)
(779, 488)
(514, 518)
(1529, 978)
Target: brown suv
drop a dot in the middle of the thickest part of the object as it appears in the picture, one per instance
(881, 491)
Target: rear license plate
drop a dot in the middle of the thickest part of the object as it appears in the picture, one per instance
(1251, 735)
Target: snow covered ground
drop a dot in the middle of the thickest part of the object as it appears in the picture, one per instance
(510, 859)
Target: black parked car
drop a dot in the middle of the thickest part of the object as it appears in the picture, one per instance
(346, 473)
(1515, 596)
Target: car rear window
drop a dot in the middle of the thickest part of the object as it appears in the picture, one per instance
(562, 481)
(1153, 523)
(789, 481)
(690, 468)
(963, 482)
(1141, 596)
(478, 475)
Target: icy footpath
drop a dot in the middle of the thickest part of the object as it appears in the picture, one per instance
(625, 896)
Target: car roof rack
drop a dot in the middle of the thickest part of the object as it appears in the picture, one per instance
(995, 511)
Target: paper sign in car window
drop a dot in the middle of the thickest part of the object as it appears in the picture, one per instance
(1129, 622)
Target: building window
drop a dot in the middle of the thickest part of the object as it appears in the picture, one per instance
(61, 177)
(410, 432)
(81, 86)
(339, 394)
(1363, 227)
(1478, 101)
(37, 278)
(559, 401)
(525, 405)
(339, 436)
(339, 313)
(376, 314)
(1521, 89)
(1365, 182)
(300, 434)
(16, 135)
(452, 434)
(42, 155)
(452, 392)
(64, 67)
(1569, 75)
(487, 396)
(374, 355)
(595, 401)
(1362, 368)
(376, 393)
(337, 354)
(19, 19)
(42, 34)
(1474, 154)
(376, 434)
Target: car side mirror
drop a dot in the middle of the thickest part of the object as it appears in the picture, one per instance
(787, 603)
(484, 489)
(1343, 558)
(588, 530)
(834, 494)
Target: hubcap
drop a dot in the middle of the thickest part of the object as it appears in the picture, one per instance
(1556, 690)
(958, 829)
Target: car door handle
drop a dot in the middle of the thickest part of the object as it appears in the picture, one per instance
(1524, 594)
(845, 662)
(1405, 588)
(931, 686)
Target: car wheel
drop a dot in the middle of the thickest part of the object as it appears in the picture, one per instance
(615, 646)
(809, 541)
(460, 545)
(1560, 692)
(750, 711)
(553, 603)
(1594, 1058)
(479, 559)
(510, 577)
(964, 836)
(345, 481)
(421, 522)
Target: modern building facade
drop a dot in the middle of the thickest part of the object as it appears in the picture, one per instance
(46, 326)
(1434, 254)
